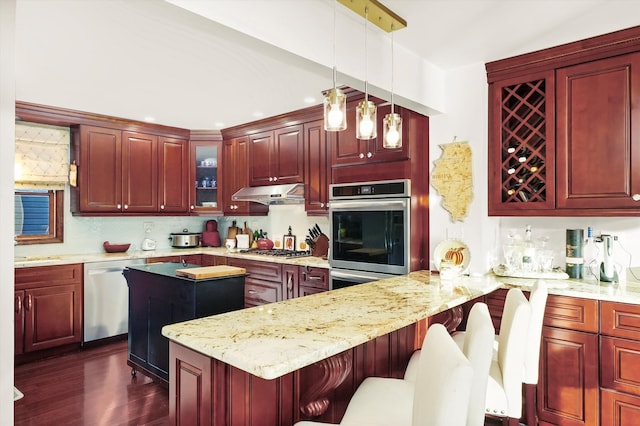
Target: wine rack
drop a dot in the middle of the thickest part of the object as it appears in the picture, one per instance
(524, 144)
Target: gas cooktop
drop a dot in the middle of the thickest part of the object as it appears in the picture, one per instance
(277, 252)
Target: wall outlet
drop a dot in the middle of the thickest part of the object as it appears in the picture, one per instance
(147, 226)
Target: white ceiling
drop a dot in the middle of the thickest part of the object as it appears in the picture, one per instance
(141, 58)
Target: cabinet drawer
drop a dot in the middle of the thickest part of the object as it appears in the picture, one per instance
(619, 409)
(43, 276)
(258, 292)
(268, 271)
(620, 320)
(571, 313)
(619, 361)
(314, 277)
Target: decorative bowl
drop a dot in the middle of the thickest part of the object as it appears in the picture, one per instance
(115, 248)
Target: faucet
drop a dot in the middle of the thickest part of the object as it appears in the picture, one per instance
(607, 270)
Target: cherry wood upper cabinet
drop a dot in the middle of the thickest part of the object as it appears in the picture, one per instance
(598, 134)
(139, 172)
(235, 175)
(129, 172)
(349, 150)
(317, 168)
(564, 127)
(173, 175)
(276, 157)
(99, 170)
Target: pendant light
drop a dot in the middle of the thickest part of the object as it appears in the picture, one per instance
(366, 115)
(335, 101)
(392, 124)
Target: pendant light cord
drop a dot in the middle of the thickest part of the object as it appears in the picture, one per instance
(366, 72)
(335, 72)
(392, 63)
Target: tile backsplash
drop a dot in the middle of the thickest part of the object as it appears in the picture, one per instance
(86, 234)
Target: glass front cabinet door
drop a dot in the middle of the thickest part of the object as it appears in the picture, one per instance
(205, 194)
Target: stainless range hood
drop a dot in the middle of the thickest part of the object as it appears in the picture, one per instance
(272, 194)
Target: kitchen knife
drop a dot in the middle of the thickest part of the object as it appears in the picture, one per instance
(318, 230)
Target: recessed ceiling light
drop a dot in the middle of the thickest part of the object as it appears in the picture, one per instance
(149, 119)
(309, 100)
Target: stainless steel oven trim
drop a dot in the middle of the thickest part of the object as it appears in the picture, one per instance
(392, 204)
(357, 277)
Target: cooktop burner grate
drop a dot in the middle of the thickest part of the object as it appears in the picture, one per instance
(277, 252)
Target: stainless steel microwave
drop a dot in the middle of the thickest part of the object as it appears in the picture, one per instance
(370, 223)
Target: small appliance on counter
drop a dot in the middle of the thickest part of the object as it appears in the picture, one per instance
(148, 244)
(211, 236)
(185, 239)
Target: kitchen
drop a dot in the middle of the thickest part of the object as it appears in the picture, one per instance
(464, 118)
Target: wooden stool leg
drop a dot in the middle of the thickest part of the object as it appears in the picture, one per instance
(530, 404)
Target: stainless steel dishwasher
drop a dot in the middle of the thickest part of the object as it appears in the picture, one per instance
(106, 299)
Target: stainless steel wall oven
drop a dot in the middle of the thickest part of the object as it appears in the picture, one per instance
(370, 223)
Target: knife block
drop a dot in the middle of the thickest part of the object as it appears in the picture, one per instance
(321, 247)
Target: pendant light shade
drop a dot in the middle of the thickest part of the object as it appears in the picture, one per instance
(335, 109)
(366, 118)
(392, 124)
(335, 101)
(366, 111)
(392, 133)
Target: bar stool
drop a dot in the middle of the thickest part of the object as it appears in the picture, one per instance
(537, 303)
(439, 396)
(478, 348)
(502, 398)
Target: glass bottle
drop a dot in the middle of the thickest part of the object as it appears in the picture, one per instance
(528, 252)
(590, 255)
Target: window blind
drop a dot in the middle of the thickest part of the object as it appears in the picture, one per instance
(41, 156)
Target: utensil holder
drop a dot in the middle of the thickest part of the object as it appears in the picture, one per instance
(321, 247)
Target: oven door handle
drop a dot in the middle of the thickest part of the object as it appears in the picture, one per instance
(353, 276)
(397, 203)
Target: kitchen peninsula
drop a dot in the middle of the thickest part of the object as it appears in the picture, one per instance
(303, 358)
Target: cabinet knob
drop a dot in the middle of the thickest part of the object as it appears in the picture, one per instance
(275, 178)
(18, 307)
(119, 206)
(270, 179)
(193, 207)
(321, 204)
(636, 197)
(361, 155)
(162, 207)
(126, 206)
(369, 155)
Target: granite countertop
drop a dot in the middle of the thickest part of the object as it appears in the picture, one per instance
(628, 292)
(47, 260)
(272, 340)
(275, 339)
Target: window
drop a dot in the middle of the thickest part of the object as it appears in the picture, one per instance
(39, 216)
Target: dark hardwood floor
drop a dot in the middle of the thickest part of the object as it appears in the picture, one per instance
(92, 387)
(89, 387)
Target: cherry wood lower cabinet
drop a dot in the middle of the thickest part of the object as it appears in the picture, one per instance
(568, 388)
(206, 391)
(193, 259)
(48, 307)
(619, 361)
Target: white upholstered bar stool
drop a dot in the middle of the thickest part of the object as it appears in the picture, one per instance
(439, 396)
(537, 303)
(506, 373)
(478, 348)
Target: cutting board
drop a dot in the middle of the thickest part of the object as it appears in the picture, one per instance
(210, 272)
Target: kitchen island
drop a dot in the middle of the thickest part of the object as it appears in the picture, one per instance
(303, 358)
(161, 294)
